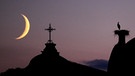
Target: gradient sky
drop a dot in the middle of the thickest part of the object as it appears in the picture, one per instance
(84, 28)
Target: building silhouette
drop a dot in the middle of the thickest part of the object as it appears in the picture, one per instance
(122, 57)
(50, 63)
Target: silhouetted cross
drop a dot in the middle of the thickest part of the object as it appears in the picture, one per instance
(50, 29)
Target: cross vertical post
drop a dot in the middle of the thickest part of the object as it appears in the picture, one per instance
(50, 29)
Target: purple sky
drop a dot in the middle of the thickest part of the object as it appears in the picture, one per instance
(84, 28)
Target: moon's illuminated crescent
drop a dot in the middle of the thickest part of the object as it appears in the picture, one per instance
(27, 28)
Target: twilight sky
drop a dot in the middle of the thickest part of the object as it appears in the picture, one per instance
(84, 28)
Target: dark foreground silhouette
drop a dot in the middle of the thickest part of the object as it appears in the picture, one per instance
(50, 63)
(122, 58)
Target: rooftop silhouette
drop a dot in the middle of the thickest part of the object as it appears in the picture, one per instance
(50, 63)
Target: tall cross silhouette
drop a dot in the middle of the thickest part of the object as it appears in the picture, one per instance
(50, 29)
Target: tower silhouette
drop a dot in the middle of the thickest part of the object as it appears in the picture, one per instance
(115, 61)
(121, 61)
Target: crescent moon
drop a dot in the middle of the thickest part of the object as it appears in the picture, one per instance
(27, 28)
